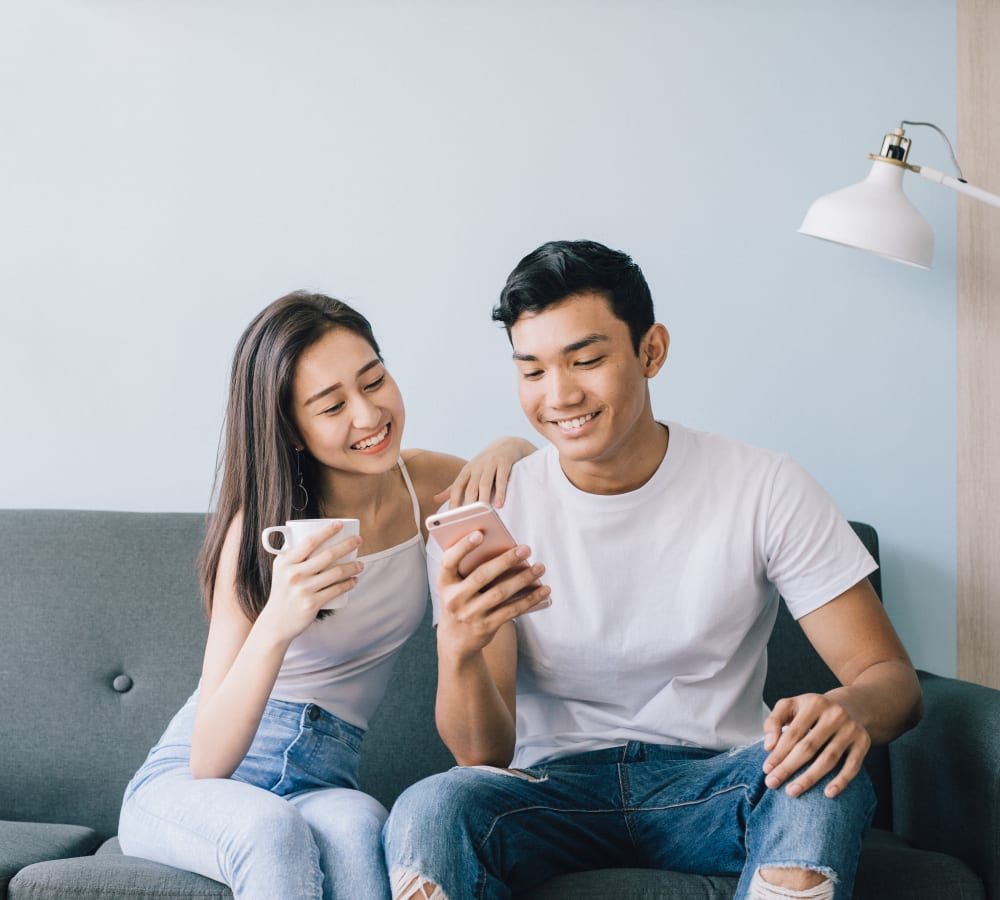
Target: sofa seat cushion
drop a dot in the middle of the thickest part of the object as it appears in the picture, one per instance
(634, 884)
(889, 867)
(24, 843)
(109, 875)
(884, 859)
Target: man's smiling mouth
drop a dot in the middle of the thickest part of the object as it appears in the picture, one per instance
(574, 423)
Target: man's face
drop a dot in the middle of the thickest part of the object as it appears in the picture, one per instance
(581, 384)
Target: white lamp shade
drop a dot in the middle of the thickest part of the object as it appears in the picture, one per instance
(874, 215)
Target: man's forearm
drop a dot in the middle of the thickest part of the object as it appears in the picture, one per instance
(473, 719)
(886, 699)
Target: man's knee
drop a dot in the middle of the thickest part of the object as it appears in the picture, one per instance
(784, 882)
(408, 886)
(439, 802)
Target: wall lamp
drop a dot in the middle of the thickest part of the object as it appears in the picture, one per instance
(875, 215)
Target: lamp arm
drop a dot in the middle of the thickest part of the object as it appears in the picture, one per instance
(963, 187)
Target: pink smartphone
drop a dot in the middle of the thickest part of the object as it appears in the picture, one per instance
(447, 528)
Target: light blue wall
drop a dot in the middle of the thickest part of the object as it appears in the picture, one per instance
(169, 168)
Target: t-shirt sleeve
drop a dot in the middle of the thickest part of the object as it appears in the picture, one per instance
(812, 554)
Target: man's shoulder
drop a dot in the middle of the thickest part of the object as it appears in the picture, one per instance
(714, 449)
(532, 468)
(718, 440)
(530, 478)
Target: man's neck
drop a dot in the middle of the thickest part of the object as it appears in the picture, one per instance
(628, 470)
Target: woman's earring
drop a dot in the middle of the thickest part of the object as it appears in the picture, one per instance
(299, 491)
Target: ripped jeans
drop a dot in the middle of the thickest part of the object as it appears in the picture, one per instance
(483, 833)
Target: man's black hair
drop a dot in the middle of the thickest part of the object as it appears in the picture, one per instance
(558, 269)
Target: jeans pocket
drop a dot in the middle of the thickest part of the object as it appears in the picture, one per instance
(528, 775)
(316, 759)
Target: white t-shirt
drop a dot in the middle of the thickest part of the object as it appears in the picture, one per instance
(663, 598)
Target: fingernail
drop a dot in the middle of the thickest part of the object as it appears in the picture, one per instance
(522, 552)
(772, 781)
(768, 767)
(794, 790)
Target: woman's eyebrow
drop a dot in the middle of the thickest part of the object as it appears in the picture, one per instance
(336, 387)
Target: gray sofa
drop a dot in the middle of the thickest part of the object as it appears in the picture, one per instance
(101, 634)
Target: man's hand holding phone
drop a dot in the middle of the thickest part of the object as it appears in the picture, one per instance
(477, 601)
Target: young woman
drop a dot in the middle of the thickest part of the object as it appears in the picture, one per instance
(255, 781)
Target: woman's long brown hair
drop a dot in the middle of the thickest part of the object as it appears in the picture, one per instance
(257, 470)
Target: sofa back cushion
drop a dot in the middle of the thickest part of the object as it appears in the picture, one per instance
(101, 638)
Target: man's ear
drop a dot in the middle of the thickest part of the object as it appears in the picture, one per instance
(653, 349)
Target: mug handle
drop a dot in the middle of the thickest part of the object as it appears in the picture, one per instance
(265, 537)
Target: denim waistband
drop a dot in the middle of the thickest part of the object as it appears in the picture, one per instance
(310, 715)
(631, 752)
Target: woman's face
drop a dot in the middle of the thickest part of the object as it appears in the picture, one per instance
(346, 406)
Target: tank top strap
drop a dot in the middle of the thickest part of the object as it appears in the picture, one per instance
(413, 494)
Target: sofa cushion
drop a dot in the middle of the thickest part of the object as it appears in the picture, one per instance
(886, 858)
(24, 843)
(111, 876)
(101, 634)
(888, 867)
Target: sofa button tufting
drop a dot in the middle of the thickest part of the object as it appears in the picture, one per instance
(122, 683)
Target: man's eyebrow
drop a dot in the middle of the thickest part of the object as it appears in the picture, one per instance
(336, 387)
(581, 344)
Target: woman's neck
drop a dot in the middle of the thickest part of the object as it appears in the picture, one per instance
(357, 496)
(380, 502)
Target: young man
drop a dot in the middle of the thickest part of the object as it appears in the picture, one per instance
(625, 692)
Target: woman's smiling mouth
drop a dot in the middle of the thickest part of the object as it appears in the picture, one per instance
(374, 442)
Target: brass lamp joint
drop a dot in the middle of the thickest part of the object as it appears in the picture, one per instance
(895, 148)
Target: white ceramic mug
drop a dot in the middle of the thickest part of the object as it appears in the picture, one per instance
(295, 531)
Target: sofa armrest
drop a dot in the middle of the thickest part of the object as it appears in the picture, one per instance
(946, 776)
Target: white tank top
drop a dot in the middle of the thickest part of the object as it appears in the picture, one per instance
(343, 662)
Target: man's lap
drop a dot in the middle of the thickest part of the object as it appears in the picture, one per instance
(640, 805)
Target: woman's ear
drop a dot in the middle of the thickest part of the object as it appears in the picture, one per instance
(653, 349)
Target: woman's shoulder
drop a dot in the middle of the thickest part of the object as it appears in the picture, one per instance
(431, 473)
(429, 465)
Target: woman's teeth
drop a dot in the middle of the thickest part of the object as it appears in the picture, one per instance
(371, 441)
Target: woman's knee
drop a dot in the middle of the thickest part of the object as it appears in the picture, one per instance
(343, 816)
(278, 824)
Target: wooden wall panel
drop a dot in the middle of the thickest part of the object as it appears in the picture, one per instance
(978, 376)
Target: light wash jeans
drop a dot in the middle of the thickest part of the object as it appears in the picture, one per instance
(479, 832)
(289, 823)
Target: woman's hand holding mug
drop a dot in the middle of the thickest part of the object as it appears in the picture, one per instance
(314, 569)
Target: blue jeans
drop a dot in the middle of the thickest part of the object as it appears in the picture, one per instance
(290, 822)
(479, 832)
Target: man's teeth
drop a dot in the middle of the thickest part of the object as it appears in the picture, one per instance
(570, 424)
(371, 441)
